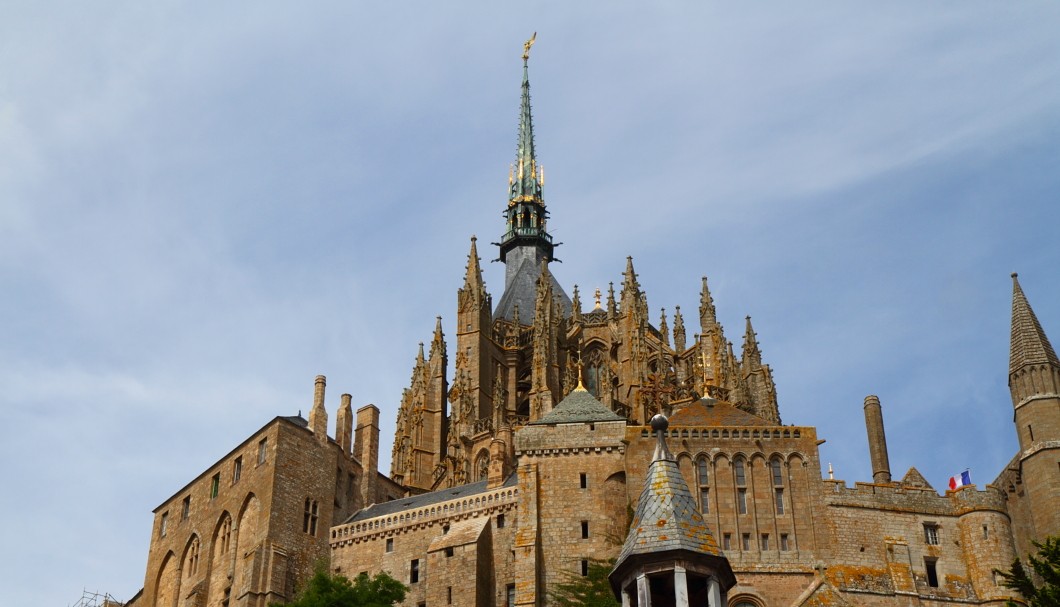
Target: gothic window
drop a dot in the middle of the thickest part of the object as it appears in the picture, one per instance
(594, 372)
(703, 480)
(191, 565)
(777, 470)
(741, 475)
(309, 518)
(482, 466)
(225, 535)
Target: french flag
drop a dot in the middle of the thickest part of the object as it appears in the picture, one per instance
(960, 480)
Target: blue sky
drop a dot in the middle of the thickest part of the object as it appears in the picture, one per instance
(203, 206)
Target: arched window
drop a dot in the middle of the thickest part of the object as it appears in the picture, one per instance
(309, 519)
(191, 561)
(741, 482)
(703, 479)
(594, 376)
(778, 475)
(776, 468)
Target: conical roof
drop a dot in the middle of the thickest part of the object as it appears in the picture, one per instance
(1029, 345)
(580, 406)
(667, 521)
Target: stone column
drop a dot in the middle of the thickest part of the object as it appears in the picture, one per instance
(680, 587)
(643, 591)
(714, 590)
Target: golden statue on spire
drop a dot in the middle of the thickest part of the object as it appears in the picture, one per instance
(527, 45)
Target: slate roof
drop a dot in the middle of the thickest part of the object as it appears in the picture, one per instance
(580, 406)
(667, 520)
(425, 499)
(1029, 345)
(520, 287)
(711, 412)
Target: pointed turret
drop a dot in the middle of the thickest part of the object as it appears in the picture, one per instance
(670, 540)
(1034, 382)
(1029, 345)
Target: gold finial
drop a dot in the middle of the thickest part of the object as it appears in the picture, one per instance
(580, 386)
(527, 45)
(597, 296)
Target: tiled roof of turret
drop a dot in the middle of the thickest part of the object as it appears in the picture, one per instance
(1029, 344)
(580, 406)
(667, 517)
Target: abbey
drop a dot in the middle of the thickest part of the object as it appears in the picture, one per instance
(536, 455)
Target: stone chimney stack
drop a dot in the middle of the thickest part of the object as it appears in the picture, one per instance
(366, 446)
(318, 417)
(344, 425)
(881, 465)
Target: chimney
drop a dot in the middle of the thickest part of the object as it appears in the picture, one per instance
(344, 425)
(366, 445)
(881, 465)
(318, 417)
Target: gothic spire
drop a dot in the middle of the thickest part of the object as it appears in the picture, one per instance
(473, 293)
(707, 314)
(751, 353)
(664, 329)
(438, 343)
(526, 178)
(679, 331)
(1029, 345)
(526, 215)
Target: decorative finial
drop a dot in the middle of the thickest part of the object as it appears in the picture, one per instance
(596, 295)
(527, 45)
(831, 473)
(659, 424)
(580, 386)
(1014, 275)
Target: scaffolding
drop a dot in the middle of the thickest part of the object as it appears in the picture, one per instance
(97, 599)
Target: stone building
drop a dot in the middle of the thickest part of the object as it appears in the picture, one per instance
(249, 529)
(517, 467)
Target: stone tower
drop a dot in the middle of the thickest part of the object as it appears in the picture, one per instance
(1034, 382)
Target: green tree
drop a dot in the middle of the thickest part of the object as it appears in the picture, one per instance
(327, 590)
(592, 590)
(1045, 567)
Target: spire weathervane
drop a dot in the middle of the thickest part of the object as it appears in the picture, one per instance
(527, 45)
